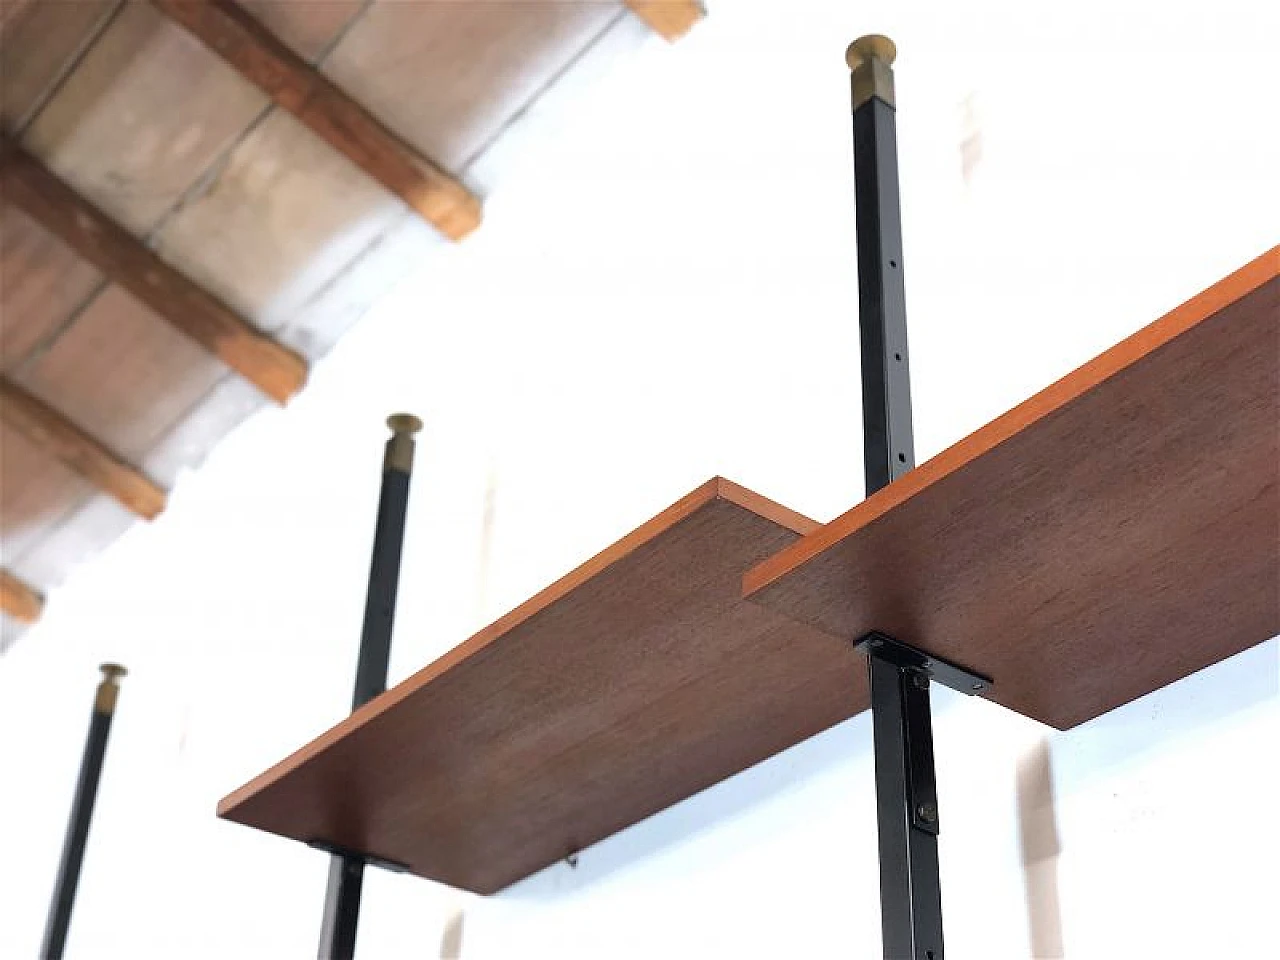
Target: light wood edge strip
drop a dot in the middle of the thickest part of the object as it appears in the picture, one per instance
(670, 19)
(762, 506)
(235, 35)
(272, 367)
(1080, 381)
(18, 600)
(55, 434)
(715, 489)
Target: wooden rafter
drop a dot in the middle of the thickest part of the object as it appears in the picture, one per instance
(275, 369)
(19, 600)
(232, 33)
(671, 19)
(54, 433)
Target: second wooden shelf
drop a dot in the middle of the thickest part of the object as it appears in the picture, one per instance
(637, 680)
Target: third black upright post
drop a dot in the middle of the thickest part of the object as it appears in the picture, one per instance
(95, 750)
(346, 870)
(906, 803)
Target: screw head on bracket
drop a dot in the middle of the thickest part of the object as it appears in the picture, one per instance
(920, 679)
(927, 812)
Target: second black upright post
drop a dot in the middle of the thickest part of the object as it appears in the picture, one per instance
(346, 870)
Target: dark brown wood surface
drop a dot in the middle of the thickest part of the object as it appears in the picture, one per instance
(1115, 533)
(278, 371)
(630, 684)
(233, 33)
(61, 438)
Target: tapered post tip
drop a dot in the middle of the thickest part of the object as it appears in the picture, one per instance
(873, 46)
(404, 423)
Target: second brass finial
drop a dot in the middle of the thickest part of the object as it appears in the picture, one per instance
(870, 59)
(404, 423)
(872, 46)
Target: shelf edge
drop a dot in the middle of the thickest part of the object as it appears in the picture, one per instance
(1235, 286)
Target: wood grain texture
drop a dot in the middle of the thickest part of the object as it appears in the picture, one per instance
(276, 370)
(42, 284)
(635, 681)
(232, 33)
(61, 438)
(1115, 533)
(18, 600)
(671, 19)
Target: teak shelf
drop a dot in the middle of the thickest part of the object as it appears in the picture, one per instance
(637, 680)
(1109, 536)
(1115, 533)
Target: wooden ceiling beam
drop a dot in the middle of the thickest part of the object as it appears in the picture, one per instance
(19, 600)
(275, 369)
(230, 31)
(671, 19)
(52, 432)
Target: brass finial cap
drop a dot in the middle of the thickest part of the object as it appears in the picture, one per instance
(404, 423)
(400, 445)
(108, 688)
(873, 46)
(111, 672)
(871, 58)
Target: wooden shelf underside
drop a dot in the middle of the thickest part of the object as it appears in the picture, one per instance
(1115, 533)
(1109, 536)
(637, 680)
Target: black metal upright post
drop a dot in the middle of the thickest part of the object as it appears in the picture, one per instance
(95, 749)
(346, 869)
(906, 798)
(888, 448)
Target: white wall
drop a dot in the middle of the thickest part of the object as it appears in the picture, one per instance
(666, 291)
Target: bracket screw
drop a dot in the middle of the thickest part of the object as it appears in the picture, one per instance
(927, 812)
(921, 680)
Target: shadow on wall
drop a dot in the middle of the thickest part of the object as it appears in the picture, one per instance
(1196, 704)
(1192, 707)
(1038, 837)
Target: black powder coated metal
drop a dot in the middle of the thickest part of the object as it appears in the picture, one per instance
(384, 581)
(888, 448)
(907, 812)
(341, 908)
(346, 868)
(906, 790)
(64, 890)
(903, 655)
